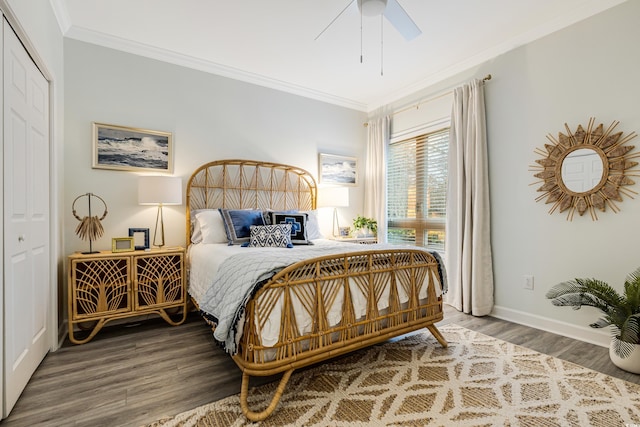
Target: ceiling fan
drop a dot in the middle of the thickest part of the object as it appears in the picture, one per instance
(391, 10)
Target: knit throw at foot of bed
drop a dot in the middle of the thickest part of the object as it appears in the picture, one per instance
(477, 380)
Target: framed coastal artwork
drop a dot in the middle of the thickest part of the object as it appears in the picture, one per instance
(131, 149)
(338, 170)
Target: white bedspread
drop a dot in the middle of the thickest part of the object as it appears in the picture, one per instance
(223, 278)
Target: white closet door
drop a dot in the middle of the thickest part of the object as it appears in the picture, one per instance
(26, 217)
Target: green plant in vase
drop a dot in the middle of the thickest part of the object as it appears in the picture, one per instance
(365, 227)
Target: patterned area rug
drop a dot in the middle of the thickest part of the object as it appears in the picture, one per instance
(477, 381)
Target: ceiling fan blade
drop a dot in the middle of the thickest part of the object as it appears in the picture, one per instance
(400, 19)
(334, 20)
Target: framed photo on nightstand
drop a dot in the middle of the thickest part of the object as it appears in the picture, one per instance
(140, 238)
(122, 244)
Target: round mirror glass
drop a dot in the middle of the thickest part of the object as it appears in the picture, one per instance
(582, 170)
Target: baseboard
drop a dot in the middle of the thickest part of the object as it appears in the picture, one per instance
(599, 337)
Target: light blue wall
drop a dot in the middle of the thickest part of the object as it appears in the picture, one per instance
(211, 118)
(587, 70)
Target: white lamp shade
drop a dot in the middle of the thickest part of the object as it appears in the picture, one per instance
(333, 197)
(156, 190)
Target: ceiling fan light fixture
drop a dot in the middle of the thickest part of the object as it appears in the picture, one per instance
(372, 7)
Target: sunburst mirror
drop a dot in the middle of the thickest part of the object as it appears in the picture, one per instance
(586, 170)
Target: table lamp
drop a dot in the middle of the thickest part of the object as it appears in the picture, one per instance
(334, 197)
(159, 190)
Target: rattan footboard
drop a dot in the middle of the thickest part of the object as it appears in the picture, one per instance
(393, 279)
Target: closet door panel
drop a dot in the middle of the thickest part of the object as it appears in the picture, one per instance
(26, 217)
(15, 152)
(17, 342)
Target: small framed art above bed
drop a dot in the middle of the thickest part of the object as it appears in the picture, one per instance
(280, 297)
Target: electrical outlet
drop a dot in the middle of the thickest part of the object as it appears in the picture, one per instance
(527, 282)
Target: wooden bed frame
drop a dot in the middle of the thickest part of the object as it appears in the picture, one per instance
(244, 184)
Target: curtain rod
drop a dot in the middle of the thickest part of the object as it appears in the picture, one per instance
(424, 101)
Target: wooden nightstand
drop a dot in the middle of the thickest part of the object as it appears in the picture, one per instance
(106, 286)
(358, 240)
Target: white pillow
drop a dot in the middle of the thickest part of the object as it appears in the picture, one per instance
(313, 226)
(196, 233)
(210, 226)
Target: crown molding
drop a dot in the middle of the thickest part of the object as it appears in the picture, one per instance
(153, 52)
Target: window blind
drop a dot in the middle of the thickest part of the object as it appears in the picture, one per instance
(417, 190)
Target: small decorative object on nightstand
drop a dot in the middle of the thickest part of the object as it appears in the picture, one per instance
(107, 286)
(90, 227)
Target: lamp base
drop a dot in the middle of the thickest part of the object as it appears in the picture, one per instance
(159, 219)
(336, 224)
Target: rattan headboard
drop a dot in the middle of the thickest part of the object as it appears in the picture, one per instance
(248, 184)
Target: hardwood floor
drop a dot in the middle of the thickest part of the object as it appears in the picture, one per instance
(133, 375)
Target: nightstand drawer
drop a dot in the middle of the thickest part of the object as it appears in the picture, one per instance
(158, 280)
(99, 287)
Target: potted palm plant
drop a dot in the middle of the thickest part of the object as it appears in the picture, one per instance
(621, 313)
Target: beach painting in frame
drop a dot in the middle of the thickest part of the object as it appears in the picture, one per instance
(338, 170)
(131, 149)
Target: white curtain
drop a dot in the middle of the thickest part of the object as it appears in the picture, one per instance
(468, 235)
(375, 184)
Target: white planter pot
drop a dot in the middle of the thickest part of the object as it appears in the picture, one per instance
(364, 232)
(630, 363)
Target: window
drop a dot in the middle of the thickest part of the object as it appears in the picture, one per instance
(417, 189)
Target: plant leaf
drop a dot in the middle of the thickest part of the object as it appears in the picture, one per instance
(623, 349)
(601, 323)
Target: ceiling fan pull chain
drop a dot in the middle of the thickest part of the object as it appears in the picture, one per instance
(381, 46)
(360, 34)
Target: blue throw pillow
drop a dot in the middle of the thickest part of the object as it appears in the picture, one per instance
(238, 222)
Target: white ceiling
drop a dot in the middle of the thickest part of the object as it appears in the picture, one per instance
(271, 42)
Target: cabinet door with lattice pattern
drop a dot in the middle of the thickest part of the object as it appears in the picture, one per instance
(158, 280)
(100, 286)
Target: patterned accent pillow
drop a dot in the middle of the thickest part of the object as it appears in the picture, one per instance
(298, 223)
(237, 223)
(313, 226)
(270, 236)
